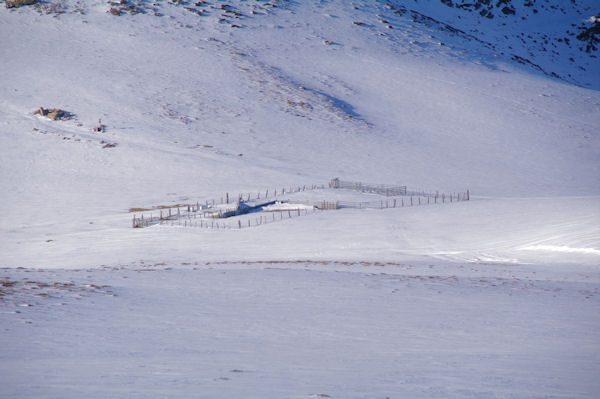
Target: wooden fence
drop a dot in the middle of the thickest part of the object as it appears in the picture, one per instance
(212, 223)
(388, 191)
(397, 191)
(407, 201)
(211, 213)
(227, 206)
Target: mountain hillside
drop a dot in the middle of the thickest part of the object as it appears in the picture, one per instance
(299, 199)
(193, 100)
(558, 38)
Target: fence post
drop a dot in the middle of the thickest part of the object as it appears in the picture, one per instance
(240, 224)
(467, 195)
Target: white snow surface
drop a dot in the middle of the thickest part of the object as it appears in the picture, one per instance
(198, 108)
(492, 297)
(299, 330)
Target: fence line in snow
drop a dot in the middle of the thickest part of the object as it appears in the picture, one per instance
(198, 219)
(394, 191)
(207, 208)
(212, 223)
(388, 191)
(207, 216)
(407, 201)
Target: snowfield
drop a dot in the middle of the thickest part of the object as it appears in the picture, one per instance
(494, 297)
(300, 330)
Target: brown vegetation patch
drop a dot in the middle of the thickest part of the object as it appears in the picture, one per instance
(310, 262)
(54, 113)
(26, 291)
(19, 3)
(139, 209)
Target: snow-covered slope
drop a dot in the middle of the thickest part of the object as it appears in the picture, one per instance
(203, 100)
(558, 38)
(302, 330)
(206, 98)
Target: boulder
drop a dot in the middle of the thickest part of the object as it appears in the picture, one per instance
(19, 3)
(54, 113)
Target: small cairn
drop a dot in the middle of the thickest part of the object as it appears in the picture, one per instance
(100, 128)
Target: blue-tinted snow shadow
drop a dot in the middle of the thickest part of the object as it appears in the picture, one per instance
(337, 103)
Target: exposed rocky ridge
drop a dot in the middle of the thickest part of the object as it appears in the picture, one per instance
(558, 38)
(589, 30)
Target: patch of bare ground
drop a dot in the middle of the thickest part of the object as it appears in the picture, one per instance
(26, 291)
(309, 262)
(140, 209)
(504, 285)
